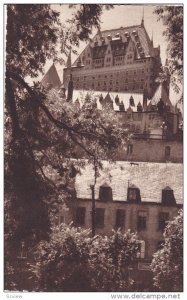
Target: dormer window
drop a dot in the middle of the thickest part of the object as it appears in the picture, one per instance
(117, 100)
(168, 196)
(131, 101)
(133, 193)
(105, 193)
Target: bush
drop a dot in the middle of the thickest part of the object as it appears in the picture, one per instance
(72, 261)
(167, 264)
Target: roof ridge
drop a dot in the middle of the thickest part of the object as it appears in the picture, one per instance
(120, 28)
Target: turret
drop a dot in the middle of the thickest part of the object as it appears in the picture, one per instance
(70, 89)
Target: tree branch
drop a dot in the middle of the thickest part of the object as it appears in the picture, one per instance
(57, 123)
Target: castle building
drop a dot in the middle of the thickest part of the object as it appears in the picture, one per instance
(154, 123)
(117, 60)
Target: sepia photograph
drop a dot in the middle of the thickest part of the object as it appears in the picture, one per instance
(93, 148)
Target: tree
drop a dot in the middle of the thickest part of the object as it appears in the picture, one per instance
(167, 264)
(73, 262)
(42, 133)
(172, 18)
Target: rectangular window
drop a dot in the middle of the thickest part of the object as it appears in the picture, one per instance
(59, 219)
(142, 220)
(163, 219)
(132, 194)
(129, 149)
(120, 218)
(80, 215)
(99, 217)
(167, 151)
(141, 249)
(138, 129)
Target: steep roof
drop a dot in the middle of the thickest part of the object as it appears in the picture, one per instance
(150, 178)
(124, 97)
(137, 34)
(51, 78)
(161, 93)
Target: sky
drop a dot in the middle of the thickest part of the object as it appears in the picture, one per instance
(121, 15)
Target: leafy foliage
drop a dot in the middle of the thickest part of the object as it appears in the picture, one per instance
(42, 133)
(31, 37)
(167, 264)
(172, 18)
(35, 34)
(72, 261)
(86, 17)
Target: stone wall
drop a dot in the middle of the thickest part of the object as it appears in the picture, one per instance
(151, 150)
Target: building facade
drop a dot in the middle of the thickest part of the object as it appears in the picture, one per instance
(118, 60)
(141, 197)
